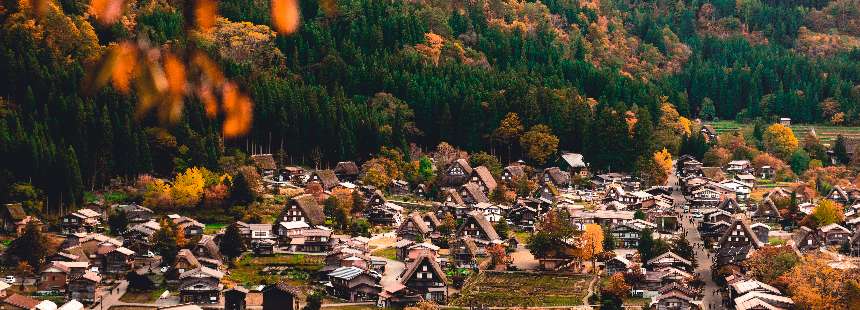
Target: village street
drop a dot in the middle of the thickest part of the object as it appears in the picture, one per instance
(711, 299)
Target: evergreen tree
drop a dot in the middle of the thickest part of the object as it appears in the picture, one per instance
(31, 247)
(840, 151)
(117, 222)
(646, 245)
(232, 244)
(241, 192)
(164, 242)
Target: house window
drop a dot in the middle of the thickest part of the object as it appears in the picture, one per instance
(421, 275)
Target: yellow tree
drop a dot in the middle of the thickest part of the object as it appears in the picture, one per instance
(591, 244)
(780, 140)
(377, 172)
(539, 143)
(188, 187)
(157, 193)
(827, 212)
(664, 159)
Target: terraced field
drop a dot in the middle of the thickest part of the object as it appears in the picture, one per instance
(523, 289)
(826, 133)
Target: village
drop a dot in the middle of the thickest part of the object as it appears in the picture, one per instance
(559, 236)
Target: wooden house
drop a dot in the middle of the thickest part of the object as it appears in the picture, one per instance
(387, 213)
(280, 296)
(523, 216)
(766, 212)
(484, 179)
(303, 208)
(185, 260)
(234, 298)
(761, 231)
(738, 235)
(346, 171)
(807, 239)
(354, 284)
(618, 264)
(626, 235)
(207, 248)
(138, 237)
(556, 177)
(834, 234)
(669, 259)
(12, 213)
(309, 240)
(119, 261)
(854, 243)
(576, 166)
(729, 205)
(265, 163)
(709, 133)
(477, 227)
(425, 277)
(82, 220)
(456, 174)
(135, 213)
(83, 288)
(466, 252)
(414, 228)
(472, 194)
(513, 172)
(326, 178)
(201, 285)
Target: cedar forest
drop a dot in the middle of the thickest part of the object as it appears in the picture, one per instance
(615, 80)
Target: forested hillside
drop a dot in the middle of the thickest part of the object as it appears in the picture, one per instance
(613, 79)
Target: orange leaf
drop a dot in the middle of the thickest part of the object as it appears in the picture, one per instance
(175, 73)
(204, 14)
(238, 111)
(107, 11)
(285, 16)
(123, 66)
(208, 98)
(209, 68)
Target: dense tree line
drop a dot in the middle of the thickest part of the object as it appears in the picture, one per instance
(372, 73)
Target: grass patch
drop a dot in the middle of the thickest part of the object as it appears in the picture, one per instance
(142, 297)
(212, 229)
(524, 289)
(389, 253)
(776, 241)
(522, 236)
(296, 269)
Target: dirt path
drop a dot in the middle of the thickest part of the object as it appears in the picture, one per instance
(590, 290)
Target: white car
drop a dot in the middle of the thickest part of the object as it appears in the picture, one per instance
(149, 254)
(95, 270)
(9, 279)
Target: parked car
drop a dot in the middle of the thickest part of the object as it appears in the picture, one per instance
(9, 279)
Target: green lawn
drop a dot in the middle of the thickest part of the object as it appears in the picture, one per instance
(523, 289)
(389, 253)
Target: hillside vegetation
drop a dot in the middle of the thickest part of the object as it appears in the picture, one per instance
(360, 74)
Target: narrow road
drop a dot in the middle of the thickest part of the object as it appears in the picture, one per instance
(712, 297)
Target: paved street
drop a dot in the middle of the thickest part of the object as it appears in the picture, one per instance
(711, 299)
